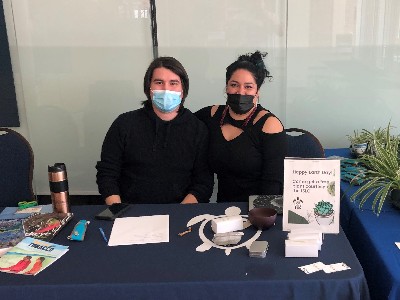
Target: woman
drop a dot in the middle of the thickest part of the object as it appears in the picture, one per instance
(247, 142)
(157, 154)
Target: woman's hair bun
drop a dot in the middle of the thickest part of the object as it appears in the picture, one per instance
(256, 58)
(253, 62)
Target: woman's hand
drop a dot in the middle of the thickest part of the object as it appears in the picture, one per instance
(189, 199)
(113, 199)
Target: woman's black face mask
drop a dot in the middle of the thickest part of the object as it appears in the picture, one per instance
(240, 104)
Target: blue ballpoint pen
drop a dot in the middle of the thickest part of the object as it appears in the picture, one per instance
(103, 234)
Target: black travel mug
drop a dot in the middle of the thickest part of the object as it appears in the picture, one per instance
(59, 188)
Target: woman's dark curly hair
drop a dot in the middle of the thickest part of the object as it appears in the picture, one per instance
(171, 64)
(252, 62)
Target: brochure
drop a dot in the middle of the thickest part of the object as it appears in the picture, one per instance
(11, 233)
(270, 201)
(14, 212)
(31, 256)
(46, 226)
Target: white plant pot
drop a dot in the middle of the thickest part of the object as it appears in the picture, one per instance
(324, 220)
(359, 149)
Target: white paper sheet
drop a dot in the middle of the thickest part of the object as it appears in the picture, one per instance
(140, 230)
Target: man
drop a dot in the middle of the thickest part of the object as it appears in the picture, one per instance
(158, 153)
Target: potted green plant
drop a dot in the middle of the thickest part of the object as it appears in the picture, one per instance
(359, 142)
(381, 135)
(362, 142)
(323, 212)
(383, 171)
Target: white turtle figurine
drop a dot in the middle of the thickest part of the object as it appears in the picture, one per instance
(207, 244)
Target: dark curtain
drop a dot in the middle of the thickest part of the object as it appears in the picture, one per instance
(8, 101)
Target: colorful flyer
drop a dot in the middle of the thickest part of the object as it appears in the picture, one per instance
(31, 256)
(311, 195)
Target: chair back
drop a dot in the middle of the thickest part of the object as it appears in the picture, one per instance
(16, 168)
(302, 143)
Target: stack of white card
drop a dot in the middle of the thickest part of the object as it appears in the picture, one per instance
(318, 266)
(303, 243)
(227, 238)
(227, 224)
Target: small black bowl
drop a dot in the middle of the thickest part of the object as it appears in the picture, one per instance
(262, 217)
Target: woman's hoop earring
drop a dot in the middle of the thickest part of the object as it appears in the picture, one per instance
(225, 93)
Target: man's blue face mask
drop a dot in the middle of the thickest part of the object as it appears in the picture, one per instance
(165, 100)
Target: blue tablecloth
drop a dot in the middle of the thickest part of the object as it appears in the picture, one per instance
(373, 239)
(174, 270)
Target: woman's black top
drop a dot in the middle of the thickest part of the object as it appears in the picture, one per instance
(251, 163)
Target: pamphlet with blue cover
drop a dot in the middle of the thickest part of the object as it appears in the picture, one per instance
(16, 213)
(11, 233)
(311, 194)
(31, 256)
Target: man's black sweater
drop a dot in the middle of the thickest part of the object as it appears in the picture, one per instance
(147, 160)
